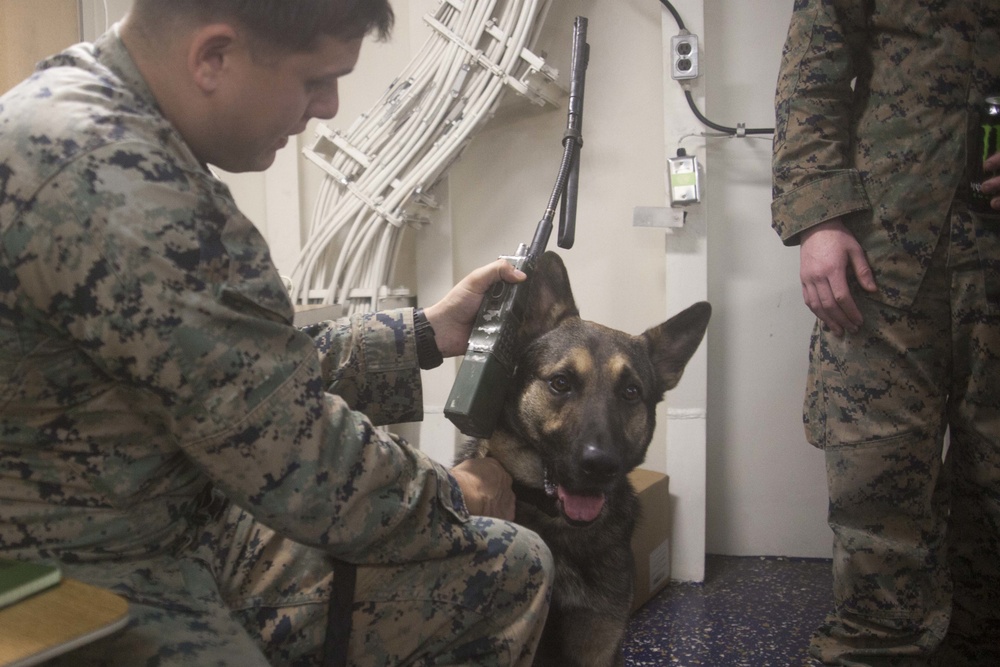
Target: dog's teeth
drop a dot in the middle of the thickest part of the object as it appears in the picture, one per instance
(550, 488)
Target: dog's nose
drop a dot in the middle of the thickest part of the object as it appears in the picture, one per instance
(598, 464)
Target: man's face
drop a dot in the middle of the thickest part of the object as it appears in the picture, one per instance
(267, 100)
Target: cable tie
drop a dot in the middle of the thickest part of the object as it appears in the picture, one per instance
(463, 72)
(341, 142)
(741, 130)
(477, 55)
(374, 204)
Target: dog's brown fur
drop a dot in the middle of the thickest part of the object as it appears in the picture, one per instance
(577, 420)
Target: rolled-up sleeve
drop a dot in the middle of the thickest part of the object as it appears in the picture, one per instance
(814, 178)
(369, 361)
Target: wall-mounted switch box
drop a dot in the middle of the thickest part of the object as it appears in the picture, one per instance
(682, 172)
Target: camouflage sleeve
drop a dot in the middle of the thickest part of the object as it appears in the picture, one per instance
(152, 271)
(353, 367)
(814, 179)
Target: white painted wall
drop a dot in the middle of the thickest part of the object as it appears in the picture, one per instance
(766, 484)
(760, 487)
(96, 15)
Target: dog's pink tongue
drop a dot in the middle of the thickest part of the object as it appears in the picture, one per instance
(580, 508)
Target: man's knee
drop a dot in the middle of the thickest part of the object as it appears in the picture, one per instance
(519, 555)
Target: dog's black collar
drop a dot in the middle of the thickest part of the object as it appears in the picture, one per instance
(537, 498)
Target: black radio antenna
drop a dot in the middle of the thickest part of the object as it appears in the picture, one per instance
(567, 183)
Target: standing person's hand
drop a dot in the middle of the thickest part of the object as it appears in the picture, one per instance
(825, 253)
(991, 186)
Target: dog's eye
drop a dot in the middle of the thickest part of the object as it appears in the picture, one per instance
(560, 384)
(631, 393)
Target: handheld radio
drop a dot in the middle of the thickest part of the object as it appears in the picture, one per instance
(476, 397)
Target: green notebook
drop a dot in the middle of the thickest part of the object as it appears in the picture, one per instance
(19, 579)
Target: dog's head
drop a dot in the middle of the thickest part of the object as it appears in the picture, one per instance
(584, 395)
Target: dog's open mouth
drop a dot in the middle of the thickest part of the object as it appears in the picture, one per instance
(579, 508)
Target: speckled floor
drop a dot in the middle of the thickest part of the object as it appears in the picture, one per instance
(749, 612)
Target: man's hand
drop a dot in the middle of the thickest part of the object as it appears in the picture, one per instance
(991, 186)
(825, 253)
(453, 316)
(486, 487)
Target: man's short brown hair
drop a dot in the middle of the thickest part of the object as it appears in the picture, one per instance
(287, 25)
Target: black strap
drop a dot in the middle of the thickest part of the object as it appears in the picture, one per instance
(338, 621)
(428, 354)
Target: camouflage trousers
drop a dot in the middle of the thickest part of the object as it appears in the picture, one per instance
(245, 596)
(908, 413)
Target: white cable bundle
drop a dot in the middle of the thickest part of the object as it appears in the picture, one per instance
(395, 153)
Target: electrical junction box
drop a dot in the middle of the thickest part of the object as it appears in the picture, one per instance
(682, 172)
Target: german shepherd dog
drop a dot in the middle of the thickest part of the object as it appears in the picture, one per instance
(578, 418)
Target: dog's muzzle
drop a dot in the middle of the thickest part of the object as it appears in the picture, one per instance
(579, 509)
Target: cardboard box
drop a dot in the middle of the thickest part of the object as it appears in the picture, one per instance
(651, 540)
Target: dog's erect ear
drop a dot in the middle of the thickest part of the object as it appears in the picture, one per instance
(673, 343)
(550, 299)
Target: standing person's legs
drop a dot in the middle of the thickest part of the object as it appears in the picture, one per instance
(876, 403)
(974, 455)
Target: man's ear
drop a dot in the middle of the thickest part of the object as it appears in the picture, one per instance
(210, 54)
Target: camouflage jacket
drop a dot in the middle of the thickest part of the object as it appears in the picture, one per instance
(872, 121)
(147, 350)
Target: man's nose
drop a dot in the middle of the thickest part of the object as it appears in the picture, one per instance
(325, 106)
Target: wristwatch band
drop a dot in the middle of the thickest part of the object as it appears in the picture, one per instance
(428, 354)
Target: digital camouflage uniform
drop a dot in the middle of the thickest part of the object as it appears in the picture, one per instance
(166, 432)
(916, 551)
